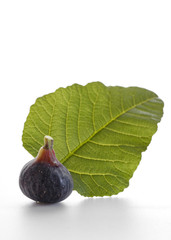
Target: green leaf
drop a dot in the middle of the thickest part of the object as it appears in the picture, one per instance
(99, 132)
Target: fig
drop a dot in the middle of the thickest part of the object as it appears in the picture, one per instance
(44, 179)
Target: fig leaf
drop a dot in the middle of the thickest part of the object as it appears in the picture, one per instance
(99, 132)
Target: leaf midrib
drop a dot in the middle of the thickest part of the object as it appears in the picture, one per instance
(100, 129)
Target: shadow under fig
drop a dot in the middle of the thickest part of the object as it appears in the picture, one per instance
(84, 220)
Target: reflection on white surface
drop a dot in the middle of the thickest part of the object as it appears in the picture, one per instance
(98, 218)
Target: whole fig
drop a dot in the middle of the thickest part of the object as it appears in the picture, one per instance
(45, 179)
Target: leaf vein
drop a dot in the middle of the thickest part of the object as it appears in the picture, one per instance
(123, 133)
(98, 184)
(51, 119)
(99, 159)
(112, 186)
(34, 111)
(87, 185)
(74, 150)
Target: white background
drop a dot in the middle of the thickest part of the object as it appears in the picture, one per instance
(45, 45)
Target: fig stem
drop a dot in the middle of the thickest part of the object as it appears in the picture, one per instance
(48, 142)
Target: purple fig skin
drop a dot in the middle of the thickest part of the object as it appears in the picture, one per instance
(44, 179)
